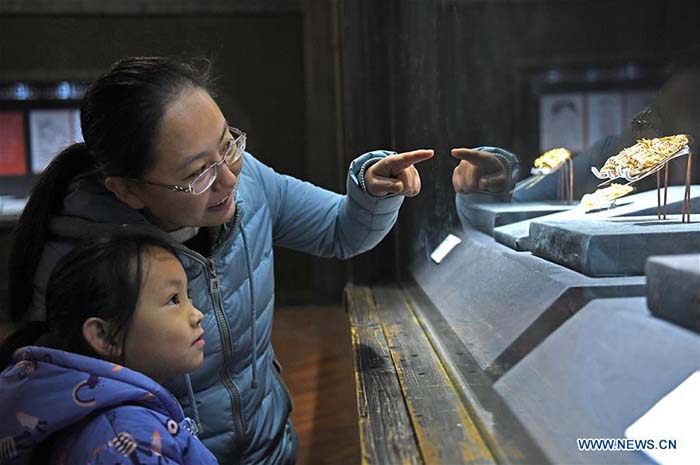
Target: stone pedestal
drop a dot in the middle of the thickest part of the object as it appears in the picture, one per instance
(612, 247)
(673, 286)
(517, 235)
(487, 216)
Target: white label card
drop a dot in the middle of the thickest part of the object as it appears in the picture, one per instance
(444, 248)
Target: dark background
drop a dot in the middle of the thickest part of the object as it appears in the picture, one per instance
(316, 83)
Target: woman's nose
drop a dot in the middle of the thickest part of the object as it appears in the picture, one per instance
(225, 177)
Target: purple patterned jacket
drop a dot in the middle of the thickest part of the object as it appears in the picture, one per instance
(62, 408)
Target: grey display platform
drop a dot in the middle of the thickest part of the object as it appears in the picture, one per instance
(487, 216)
(517, 235)
(597, 374)
(498, 304)
(673, 289)
(614, 246)
(542, 349)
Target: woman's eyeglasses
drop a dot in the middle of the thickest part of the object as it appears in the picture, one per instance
(232, 153)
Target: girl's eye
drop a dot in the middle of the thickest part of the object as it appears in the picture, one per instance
(189, 294)
(174, 299)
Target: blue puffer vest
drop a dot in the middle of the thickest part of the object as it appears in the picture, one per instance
(242, 405)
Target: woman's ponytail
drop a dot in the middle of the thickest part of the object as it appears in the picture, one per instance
(32, 230)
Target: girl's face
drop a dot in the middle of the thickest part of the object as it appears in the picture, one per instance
(164, 338)
(191, 137)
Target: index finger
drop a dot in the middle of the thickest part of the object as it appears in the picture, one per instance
(483, 159)
(403, 160)
(471, 154)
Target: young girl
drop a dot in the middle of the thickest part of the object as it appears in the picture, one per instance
(160, 157)
(120, 322)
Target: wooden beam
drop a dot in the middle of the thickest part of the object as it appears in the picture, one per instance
(386, 435)
(445, 431)
(139, 7)
(324, 162)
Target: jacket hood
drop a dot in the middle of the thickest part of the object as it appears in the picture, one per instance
(90, 210)
(48, 390)
(88, 198)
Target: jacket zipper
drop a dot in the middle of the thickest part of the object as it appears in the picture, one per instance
(228, 356)
(215, 292)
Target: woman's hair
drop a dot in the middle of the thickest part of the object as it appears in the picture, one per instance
(103, 279)
(119, 116)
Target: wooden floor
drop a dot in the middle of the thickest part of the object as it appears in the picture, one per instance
(314, 347)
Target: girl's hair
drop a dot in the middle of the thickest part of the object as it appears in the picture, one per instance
(103, 279)
(119, 116)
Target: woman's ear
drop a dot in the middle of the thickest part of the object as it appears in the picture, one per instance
(124, 190)
(97, 334)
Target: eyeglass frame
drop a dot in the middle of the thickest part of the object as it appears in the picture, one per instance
(239, 143)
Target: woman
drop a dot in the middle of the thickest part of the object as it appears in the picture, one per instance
(160, 158)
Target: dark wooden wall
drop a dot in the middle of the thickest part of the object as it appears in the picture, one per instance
(453, 73)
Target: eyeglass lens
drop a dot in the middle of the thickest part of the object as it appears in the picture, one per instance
(234, 152)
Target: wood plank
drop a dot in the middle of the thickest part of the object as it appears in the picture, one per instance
(445, 431)
(386, 435)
